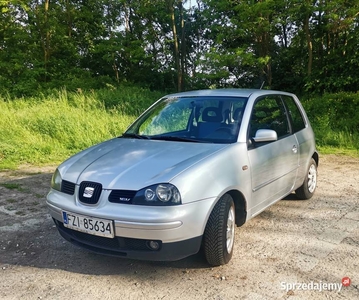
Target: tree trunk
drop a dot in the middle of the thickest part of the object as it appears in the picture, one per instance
(309, 44)
(183, 47)
(45, 34)
(47, 54)
(69, 19)
(176, 47)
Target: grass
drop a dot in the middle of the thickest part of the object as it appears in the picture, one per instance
(342, 142)
(49, 128)
(331, 141)
(335, 120)
(15, 186)
(11, 186)
(338, 151)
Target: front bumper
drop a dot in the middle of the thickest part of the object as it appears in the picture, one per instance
(177, 229)
(130, 247)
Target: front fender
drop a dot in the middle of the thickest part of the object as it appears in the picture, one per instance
(224, 171)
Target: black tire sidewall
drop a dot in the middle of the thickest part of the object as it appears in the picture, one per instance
(227, 255)
(215, 236)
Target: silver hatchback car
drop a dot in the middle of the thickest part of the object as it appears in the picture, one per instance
(192, 167)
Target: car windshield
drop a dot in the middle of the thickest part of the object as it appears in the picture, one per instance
(191, 119)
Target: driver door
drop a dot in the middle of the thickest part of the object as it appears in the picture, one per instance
(273, 164)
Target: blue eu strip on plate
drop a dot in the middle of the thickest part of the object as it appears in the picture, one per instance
(64, 215)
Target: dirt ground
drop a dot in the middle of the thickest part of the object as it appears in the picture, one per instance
(293, 250)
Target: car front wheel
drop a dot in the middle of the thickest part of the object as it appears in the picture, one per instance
(306, 191)
(219, 232)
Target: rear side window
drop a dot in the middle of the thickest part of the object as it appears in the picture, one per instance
(295, 115)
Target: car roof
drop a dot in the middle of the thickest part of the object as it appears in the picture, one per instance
(227, 93)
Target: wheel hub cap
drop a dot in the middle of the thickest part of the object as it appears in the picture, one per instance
(312, 178)
(230, 230)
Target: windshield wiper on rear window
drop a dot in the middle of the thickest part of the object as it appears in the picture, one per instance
(174, 138)
(135, 136)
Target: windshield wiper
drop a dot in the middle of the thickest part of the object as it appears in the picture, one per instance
(135, 136)
(159, 137)
(174, 138)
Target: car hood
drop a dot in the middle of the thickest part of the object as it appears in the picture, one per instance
(133, 164)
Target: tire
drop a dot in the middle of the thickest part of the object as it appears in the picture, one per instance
(219, 233)
(306, 191)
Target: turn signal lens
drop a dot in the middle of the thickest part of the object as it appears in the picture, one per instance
(56, 180)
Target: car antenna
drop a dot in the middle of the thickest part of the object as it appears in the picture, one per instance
(262, 84)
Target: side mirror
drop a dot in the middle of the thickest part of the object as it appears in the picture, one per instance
(265, 135)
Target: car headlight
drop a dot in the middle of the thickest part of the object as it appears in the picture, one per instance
(159, 194)
(56, 180)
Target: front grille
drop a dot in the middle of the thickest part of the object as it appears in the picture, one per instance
(121, 196)
(68, 187)
(90, 192)
(115, 244)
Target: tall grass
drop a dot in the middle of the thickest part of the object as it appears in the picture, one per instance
(47, 129)
(335, 120)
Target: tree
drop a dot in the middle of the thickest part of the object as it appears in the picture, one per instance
(174, 45)
(243, 34)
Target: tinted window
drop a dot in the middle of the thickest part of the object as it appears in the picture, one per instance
(294, 114)
(269, 113)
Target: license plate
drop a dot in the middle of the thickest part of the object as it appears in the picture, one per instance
(90, 225)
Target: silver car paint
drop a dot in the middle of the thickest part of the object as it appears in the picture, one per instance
(201, 172)
(134, 164)
(169, 224)
(200, 189)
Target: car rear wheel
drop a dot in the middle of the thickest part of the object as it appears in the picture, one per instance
(219, 232)
(306, 191)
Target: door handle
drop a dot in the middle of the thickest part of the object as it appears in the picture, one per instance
(294, 149)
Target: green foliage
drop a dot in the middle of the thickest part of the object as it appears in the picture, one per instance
(243, 36)
(11, 186)
(298, 46)
(337, 111)
(108, 45)
(335, 119)
(47, 129)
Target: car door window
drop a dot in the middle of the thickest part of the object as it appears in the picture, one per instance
(269, 113)
(295, 115)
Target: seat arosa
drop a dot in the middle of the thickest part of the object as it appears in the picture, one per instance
(189, 170)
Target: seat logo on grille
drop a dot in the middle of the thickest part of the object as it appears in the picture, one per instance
(88, 192)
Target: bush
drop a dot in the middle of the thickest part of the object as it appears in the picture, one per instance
(335, 119)
(52, 126)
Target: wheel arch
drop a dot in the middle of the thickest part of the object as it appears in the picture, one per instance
(240, 205)
(315, 156)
